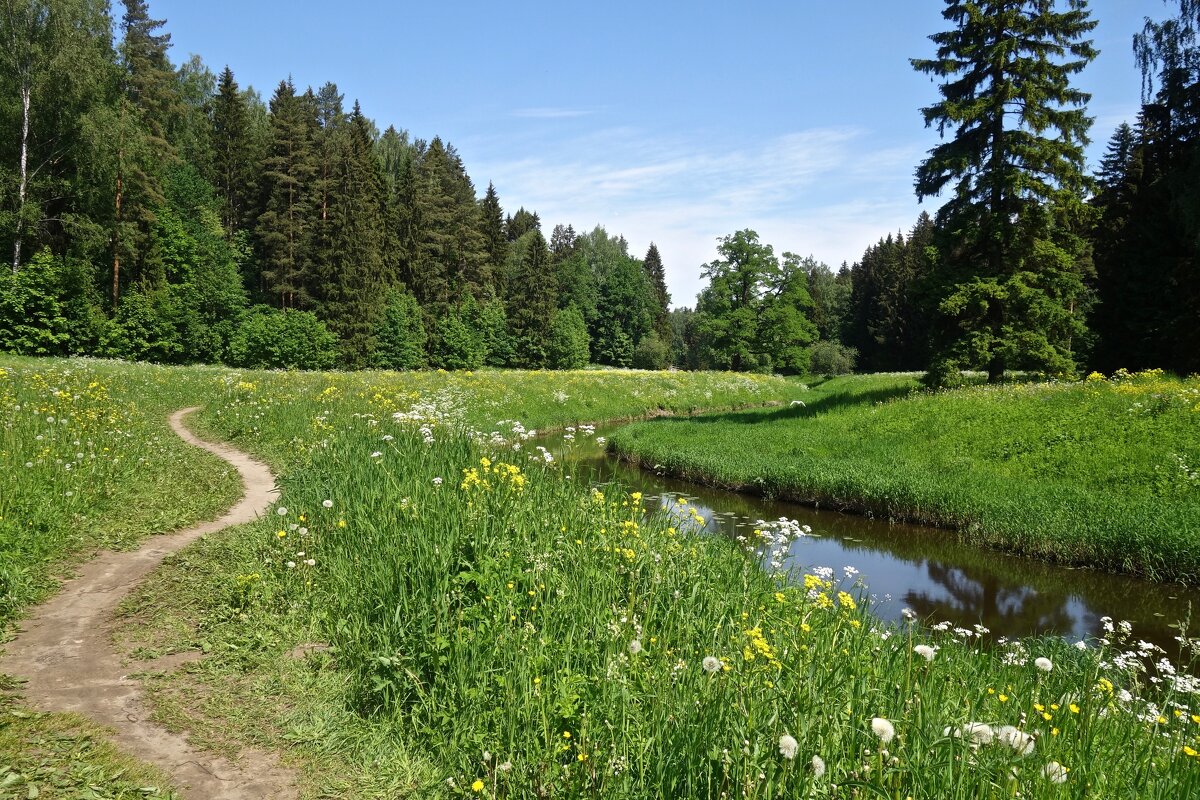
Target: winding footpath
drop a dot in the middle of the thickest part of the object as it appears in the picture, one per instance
(65, 654)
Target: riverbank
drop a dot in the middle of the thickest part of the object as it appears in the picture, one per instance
(432, 609)
(1101, 473)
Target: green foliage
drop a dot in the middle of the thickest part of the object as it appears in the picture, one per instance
(456, 342)
(271, 339)
(752, 315)
(531, 308)
(567, 347)
(1015, 161)
(400, 336)
(33, 316)
(652, 352)
(493, 331)
(832, 358)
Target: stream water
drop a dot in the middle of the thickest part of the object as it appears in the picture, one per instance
(925, 569)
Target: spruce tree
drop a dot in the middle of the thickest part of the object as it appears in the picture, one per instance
(660, 298)
(1014, 163)
(491, 225)
(233, 172)
(285, 226)
(531, 311)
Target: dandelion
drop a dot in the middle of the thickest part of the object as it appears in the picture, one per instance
(1055, 772)
(327, 503)
(487, 757)
(477, 786)
(818, 767)
(505, 767)
(281, 511)
(1021, 743)
(635, 647)
(312, 562)
(925, 651)
(788, 747)
(711, 664)
(1044, 664)
(376, 454)
(883, 729)
(908, 614)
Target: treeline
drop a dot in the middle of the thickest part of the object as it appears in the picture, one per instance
(165, 213)
(1030, 264)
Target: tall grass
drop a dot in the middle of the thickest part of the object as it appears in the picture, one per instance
(1102, 473)
(541, 639)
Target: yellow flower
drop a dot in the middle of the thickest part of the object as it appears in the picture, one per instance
(1003, 698)
(1074, 708)
(477, 786)
(281, 534)
(1189, 751)
(566, 734)
(341, 523)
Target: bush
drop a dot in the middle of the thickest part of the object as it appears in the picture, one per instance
(454, 345)
(568, 345)
(652, 352)
(400, 335)
(832, 358)
(271, 339)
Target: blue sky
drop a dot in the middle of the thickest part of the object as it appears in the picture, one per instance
(667, 121)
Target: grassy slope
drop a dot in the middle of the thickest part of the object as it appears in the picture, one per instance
(1101, 473)
(472, 619)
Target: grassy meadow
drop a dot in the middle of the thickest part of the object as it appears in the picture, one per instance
(1104, 473)
(433, 610)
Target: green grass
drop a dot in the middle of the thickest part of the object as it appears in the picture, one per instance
(1102, 473)
(495, 630)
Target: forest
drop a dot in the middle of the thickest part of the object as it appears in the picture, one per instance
(162, 212)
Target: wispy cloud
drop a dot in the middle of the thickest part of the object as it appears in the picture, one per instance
(828, 192)
(551, 113)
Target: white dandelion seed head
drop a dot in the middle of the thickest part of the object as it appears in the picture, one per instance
(281, 511)
(487, 757)
(883, 729)
(818, 767)
(788, 747)
(711, 664)
(925, 651)
(1043, 663)
(505, 767)
(327, 503)
(635, 647)
(1021, 743)
(312, 562)
(1055, 772)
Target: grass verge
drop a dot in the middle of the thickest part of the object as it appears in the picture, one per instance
(1101, 473)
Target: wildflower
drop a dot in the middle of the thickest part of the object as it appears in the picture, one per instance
(711, 664)
(818, 767)
(883, 729)
(477, 786)
(312, 562)
(487, 757)
(635, 647)
(788, 747)
(376, 454)
(327, 503)
(281, 511)
(925, 651)
(437, 481)
(1022, 743)
(505, 767)
(1055, 772)
(908, 614)
(1044, 664)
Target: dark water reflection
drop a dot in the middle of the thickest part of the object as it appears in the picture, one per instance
(926, 569)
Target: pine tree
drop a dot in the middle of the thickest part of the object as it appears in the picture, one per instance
(521, 223)
(285, 226)
(491, 225)
(531, 312)
(1016, 152)
(660, 298)
(400, 334)
(349, 280)
(233, 172)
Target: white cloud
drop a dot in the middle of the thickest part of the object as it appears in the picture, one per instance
(550, 113)
(828, 192)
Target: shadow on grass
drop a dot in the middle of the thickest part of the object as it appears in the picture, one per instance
(804, 408)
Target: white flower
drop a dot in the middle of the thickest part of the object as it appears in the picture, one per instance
(980, 733)
(327, 503)
(1055, 772)
(312, 562)
(818, 767)
(1081, 645)
(1018, 740)
(883, 729)
(925, 651)
(487, 757)
(437, 481)
(505, 767)
(376, 454)
(281, 511)
(1044, 664)
(711, 664)
(635, 647)
(908, 614)
(788, 747)
(291, 564)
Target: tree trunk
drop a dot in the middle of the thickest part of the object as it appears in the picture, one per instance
(116, 268)
(24, 179)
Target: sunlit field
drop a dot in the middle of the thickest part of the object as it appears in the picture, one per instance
(433, 609)
(1103, 473)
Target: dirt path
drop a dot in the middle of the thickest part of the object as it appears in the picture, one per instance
(66, 655)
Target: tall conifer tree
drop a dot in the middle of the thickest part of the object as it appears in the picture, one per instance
(1015, 164)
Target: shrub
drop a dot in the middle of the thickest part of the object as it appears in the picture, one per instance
(268, 339)
(832, 358)
(652, 352)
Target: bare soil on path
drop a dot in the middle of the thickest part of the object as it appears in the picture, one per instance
(66, 657)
